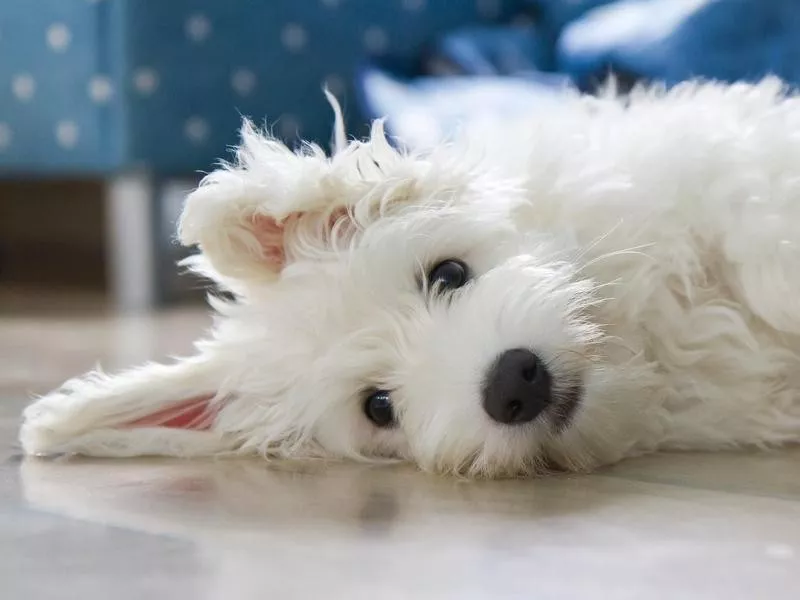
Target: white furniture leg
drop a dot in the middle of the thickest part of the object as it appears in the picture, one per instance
(132, 232)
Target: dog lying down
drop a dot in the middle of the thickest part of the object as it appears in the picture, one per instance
(612, 277)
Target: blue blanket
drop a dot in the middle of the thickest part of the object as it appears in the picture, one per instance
(557, 44)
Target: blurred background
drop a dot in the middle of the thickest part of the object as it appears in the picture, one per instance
(110, 110)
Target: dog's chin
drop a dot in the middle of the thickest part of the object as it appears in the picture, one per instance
(529, 444)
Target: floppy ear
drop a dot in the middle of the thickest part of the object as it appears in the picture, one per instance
(252, 216)
(152, 410)
(241, 213)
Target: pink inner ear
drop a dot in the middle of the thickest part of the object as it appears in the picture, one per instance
(194, 413)
(269, 234)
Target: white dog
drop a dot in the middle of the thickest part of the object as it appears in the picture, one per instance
(612, 277)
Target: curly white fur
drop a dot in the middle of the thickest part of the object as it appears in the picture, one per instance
(645, 246)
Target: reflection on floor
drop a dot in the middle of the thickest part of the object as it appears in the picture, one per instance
(679, 526)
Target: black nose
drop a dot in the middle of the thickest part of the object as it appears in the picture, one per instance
(517, 388)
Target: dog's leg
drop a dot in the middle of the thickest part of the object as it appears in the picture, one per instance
(155, 409)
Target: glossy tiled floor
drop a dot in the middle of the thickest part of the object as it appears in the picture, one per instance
(683, 526)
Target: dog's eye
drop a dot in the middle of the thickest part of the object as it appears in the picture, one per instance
(378, 408)
(449, 274)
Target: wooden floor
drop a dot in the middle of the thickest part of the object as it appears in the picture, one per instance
(681, 526)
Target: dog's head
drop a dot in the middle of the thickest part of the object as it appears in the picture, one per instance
(390, 305)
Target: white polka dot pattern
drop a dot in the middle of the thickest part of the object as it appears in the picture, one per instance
(100, 89)
(198, 28)
(23, 86)
(294, 37)
(243, 81)
(145, 80)
(58, 37)
(67, 134)
(196, 129)
(376, 40)
(176, 90)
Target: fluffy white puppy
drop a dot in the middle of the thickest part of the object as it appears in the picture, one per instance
(612, 277)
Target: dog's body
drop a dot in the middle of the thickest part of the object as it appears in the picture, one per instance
(644, 253)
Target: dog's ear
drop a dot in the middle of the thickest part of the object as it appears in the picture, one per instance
(154, 409)
(252, 216)
(241, 213)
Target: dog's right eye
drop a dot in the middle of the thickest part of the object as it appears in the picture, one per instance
(378, 408)
(449, 274)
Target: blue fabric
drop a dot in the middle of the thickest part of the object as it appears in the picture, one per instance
(50, 56)
(674, 40)
(554, 15)
(493, 51)
(518, 48)
(579, 43)
(426, 110)
(94, 86)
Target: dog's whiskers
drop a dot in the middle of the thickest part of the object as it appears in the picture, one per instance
(632, 251)
(596, 242)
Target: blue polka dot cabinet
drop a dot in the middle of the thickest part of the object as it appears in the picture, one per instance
(99, 86)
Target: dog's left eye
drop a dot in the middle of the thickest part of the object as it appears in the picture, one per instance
(449, 274)
(378, 408)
